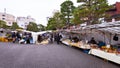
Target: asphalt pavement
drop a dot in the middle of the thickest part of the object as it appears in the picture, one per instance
(13, 55)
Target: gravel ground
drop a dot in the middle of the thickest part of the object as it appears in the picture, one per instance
(14, 55)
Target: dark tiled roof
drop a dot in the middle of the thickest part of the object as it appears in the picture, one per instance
(111, 10)
(116, 16)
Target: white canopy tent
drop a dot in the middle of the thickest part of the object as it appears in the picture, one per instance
(109, 30)
(35, 34)
(104, 32)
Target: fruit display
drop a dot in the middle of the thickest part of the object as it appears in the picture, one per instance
(83, 45)
(79, 44)
(110, 50)
(93, 46)
(44, 42)
(75, 44)
(66, 41)
(3, 39)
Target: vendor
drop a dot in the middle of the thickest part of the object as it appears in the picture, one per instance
(92, 41)
(75, 39)
(39, 39)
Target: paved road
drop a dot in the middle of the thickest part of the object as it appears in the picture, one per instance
(48, 56)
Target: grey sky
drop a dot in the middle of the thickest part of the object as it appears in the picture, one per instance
(38, 9)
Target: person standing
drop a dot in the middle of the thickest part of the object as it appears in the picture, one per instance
(92, 41)
(58, 38)
(14, 37)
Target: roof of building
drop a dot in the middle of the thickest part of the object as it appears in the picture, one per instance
(7, 14)
(111, 10)
(116, 16)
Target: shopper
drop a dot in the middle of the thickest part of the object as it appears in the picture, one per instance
(92, 41)
(58, 38)
(14, 37)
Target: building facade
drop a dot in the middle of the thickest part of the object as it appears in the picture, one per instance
(8, 18)
(114, 12)
(24, 21)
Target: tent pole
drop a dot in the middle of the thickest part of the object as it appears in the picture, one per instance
(110, 39)
(104, 37)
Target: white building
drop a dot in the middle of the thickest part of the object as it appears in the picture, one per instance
(24, 21)
(8, 18)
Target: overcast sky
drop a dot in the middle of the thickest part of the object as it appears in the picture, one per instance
(37, 9)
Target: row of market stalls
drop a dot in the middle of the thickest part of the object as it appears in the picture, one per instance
(106, 35)
(6, 36)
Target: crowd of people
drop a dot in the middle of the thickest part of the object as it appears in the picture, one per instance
(28, 38)
(51, 37)
(23, 38)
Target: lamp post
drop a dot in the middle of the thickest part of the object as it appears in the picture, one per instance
(47, 19)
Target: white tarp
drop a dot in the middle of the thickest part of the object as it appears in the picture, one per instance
(35, 34)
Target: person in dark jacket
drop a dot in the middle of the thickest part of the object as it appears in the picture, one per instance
(14, 37)
(58, 38)
(92, 41)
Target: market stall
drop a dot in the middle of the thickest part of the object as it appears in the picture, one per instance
(111, 56)
(77, 38)
(35, 35)
(42, 37)
(107, 36)
(111, 51)
(3, 37)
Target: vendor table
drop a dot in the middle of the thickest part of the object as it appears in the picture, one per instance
(105, 55)
(3, 39)
(66, 42)
(79, 45)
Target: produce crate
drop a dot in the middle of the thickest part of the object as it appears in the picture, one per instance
(86, 51)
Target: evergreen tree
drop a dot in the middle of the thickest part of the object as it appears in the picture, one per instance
(92, 10)
(56, 22)
(15, 26)
(2, 24)
(41, 27)
(32, 27)
(67, 8)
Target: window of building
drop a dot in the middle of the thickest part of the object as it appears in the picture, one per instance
(25, 22)
(3, 15)
(9, 22)
(3, 18)
(25, 25)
